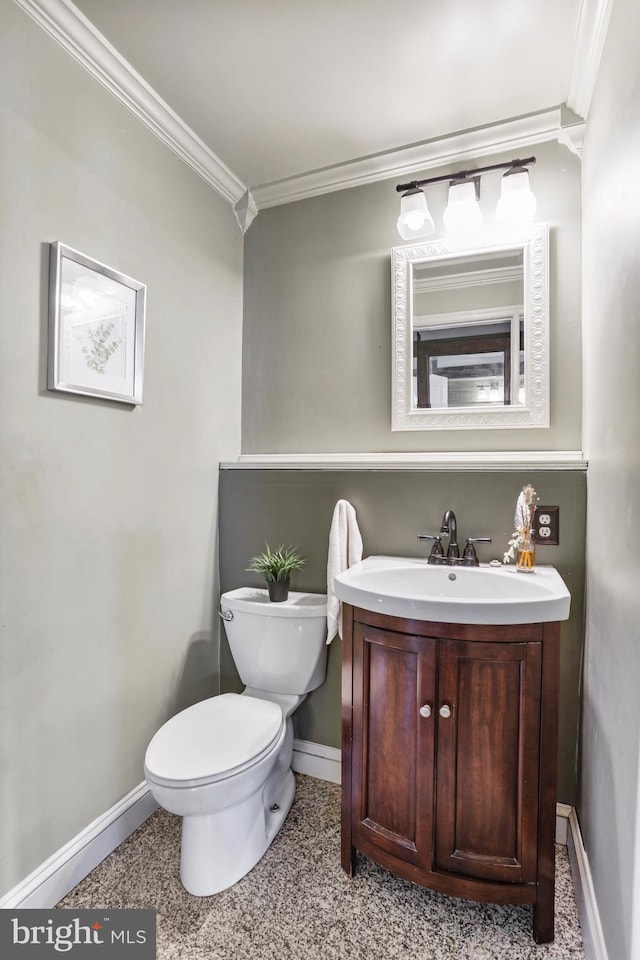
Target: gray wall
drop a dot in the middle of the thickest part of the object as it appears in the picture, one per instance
(317, 320)
(108, 554)
(280, 506)
(609, 782)
(317, 378)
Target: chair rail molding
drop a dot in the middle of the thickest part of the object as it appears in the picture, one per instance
(469, 460)
(62, 20)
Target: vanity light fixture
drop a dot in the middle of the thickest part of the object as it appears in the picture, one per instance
(463, 213)
(517, 203)
(516, 206)
(414, 220)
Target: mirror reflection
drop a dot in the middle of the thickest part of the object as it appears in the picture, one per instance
(468, 331)
(470, 345)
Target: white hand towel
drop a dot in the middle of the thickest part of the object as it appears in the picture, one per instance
(345, 549)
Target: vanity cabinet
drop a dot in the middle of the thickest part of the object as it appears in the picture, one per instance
(449, 756)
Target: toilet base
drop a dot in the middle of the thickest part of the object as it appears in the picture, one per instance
(238, 837)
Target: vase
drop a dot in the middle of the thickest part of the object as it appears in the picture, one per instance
(526, 556)
(278, 590)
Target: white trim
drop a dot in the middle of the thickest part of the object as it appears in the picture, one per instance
(63, 21)
(470, 278)
(593, 938)
(515, 460)
(245, 211)
(593, 23)
(563, 812)
(485, 315)
(54, 878)
(468, 145)
(317, 760)
(573, 139)
(70, 28)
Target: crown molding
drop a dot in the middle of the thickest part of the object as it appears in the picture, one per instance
(593, 22)
(470, 278)
(245, 210)
(73, 31)
(62, 20)
(509, 135)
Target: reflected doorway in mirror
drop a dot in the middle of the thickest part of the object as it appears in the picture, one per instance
(471, 333)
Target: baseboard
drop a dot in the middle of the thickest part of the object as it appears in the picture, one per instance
(53, 879)
(593, 938)
(563, 812)
(317, 760)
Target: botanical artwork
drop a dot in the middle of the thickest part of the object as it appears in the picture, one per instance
(100, 346)
(96, 329)
(96, 315)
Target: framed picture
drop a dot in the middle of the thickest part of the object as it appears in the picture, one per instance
(96, 328)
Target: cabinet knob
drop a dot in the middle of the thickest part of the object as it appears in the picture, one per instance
(445, 710)
(425, 710)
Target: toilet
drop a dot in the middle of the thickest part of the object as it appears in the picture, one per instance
(224, 764)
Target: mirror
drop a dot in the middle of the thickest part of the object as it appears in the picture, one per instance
(470, 333)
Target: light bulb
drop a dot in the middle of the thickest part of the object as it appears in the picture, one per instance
(517, 204)
(414, 220)
(463, 213)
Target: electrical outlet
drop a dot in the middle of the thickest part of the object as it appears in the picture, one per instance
(546, 525)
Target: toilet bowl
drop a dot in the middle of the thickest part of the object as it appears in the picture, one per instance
(224, 764)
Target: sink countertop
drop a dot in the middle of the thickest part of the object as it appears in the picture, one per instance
(411, 588)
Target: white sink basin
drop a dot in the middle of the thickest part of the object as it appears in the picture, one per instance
(405, 587)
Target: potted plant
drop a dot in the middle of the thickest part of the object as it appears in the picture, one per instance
(276, 567)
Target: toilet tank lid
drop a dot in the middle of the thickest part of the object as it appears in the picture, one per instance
(213, 737)
(253, 600)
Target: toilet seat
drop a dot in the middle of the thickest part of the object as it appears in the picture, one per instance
(212, 740)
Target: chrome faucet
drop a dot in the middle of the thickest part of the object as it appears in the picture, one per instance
(449, 528)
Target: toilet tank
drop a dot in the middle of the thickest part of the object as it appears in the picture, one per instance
(277, 647)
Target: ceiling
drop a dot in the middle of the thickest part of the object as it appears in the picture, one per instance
(279, 88)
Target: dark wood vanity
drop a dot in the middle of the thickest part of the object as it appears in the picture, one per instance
(449, 751)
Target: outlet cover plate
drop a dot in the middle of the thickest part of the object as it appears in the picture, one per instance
(546, 525)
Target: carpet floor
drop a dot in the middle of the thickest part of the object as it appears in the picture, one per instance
(297, 903)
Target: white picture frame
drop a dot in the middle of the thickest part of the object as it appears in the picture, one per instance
(96, 328)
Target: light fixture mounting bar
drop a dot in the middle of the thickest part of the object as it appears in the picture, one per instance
(463, 174)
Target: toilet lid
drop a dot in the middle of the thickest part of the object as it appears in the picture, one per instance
(213, 737)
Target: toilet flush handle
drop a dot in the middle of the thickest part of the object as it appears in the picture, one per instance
(226, 614)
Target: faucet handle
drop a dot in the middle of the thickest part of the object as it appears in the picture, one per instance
(469, 557)
(437, 554)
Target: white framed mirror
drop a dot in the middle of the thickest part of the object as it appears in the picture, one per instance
(471, 333)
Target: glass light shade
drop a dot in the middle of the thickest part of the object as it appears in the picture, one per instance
(414, 220)
(463, 213)
(517, 204)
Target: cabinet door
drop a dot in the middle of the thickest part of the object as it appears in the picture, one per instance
(393, 742)
(487, 769)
